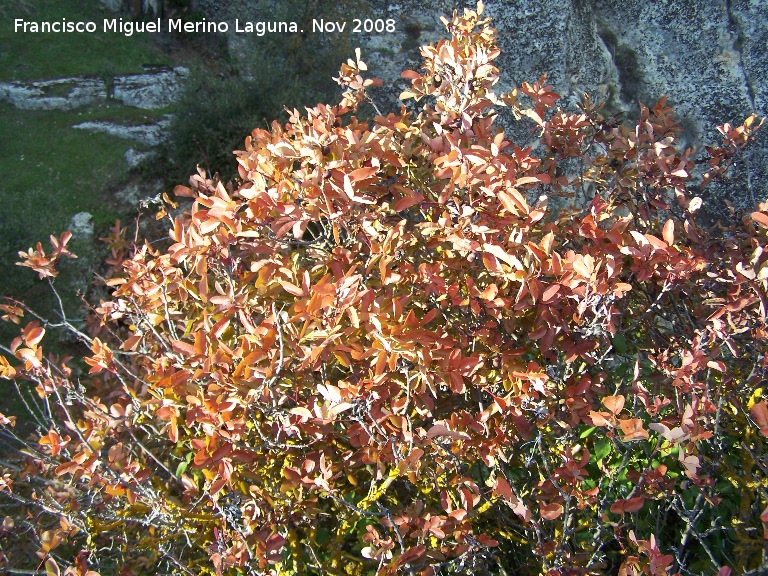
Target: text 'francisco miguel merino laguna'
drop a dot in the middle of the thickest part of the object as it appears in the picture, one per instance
(260, 28)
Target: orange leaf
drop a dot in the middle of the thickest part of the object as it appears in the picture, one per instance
(33, 337)
(502, 255)
(656, 242)
(550, 511)
(443, 430)
(668, 233)
(760, 218)
(492, 263)
(67, 468)
(614, 403)
(513, 201)
(507, 202)
(363, 173)
(760, 413)
(183, 347)
(538, 179)
(601, 418)
(218, 329)
(291, 288)
(550, 292)
(503, 489)
(633, 429)
(631, 505)
(183, 191)
(581, 268)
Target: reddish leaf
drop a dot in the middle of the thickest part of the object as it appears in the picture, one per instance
(406, 202)
(441, 430)
(183, 347)
(760, 414)
(551, 511)
(761, 218)
(412, 554)
(614, 403)
(503, 489)
(668, 233)
(631, 505)
(550, 292)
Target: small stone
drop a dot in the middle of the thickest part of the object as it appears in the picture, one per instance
(81, 225)
(135, 157)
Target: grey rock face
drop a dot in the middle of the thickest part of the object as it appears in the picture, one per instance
(113, 5)
(136, 157)
(81, 225)
(133, 194)
(59, 94)
(709, 57)
(153, 7)
(149, 91)
(152, 90)
(147, 134)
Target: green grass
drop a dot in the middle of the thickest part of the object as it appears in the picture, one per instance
(49, 170)
(28, 56)
(52, 171)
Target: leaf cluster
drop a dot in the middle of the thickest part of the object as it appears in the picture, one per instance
(380, 351)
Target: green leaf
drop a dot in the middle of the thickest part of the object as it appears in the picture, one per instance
(587, 432)
(51, 568)
(619, 343)
(182, 467)
(322, 536)
(602, 449)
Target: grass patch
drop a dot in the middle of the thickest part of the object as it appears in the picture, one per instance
(29, 56)
(52, 172)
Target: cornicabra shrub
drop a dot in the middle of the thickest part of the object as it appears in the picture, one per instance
(380, 352)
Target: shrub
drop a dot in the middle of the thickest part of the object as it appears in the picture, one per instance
(208, 123)
(380, 352)
(219, 103)
(213, 113)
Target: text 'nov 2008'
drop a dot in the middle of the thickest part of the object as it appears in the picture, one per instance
(177, 25)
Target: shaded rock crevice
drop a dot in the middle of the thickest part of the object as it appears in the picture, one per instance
(623, 58)
(737, 31)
